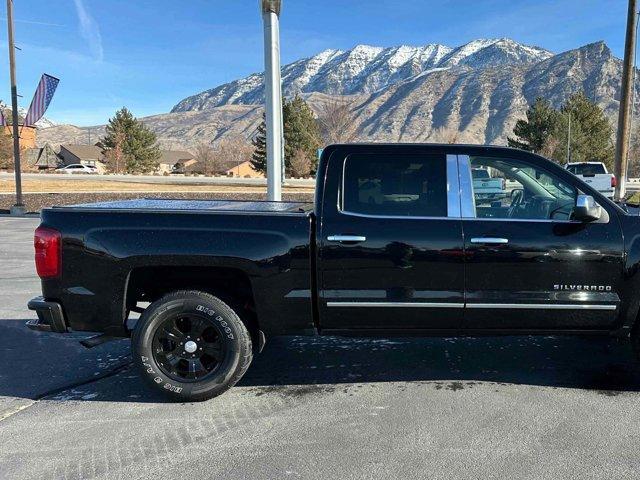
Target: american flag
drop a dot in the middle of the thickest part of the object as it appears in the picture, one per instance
(42, 99)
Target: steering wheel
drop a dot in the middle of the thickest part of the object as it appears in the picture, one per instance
(517, 198)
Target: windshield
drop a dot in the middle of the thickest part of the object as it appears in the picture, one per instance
(479, 173)
(587, 169)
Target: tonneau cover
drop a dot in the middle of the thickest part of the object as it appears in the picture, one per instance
(190, 205)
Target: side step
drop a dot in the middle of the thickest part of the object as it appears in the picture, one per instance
(97, 340)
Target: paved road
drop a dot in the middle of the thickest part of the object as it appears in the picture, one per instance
(160, 179)
(315, 408)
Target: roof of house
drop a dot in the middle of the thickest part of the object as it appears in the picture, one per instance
(42, 157)
(227, 166)
(171, 157)
(84, 152)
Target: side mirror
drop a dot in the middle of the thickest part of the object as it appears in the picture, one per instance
(586, 209)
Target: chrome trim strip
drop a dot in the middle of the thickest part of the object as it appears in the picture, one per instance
(467, 200)
(490, 240)
(453, 187)
(515, 306)
(397, 304)
(543, 306)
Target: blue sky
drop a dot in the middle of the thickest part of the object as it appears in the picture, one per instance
(149, 54)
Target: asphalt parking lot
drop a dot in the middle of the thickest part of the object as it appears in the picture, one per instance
(506, 407)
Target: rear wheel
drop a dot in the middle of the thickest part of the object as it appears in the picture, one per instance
(191, 345)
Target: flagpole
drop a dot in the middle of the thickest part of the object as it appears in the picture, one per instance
(18, 208)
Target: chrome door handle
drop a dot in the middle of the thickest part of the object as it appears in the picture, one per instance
(346, 238)
(490, 240)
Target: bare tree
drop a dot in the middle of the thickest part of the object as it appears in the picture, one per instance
(337, 122)
(300, 164)
(444, 135)
(232, 152)
(207, 159)
(6, 151)
(115, 158)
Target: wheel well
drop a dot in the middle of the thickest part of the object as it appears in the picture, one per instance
(148, 284)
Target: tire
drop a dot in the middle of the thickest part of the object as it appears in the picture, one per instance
(191, 346)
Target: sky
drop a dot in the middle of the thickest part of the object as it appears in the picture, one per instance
(148, 55)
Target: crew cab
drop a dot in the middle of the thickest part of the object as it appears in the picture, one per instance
(596, 175)
(394, 244)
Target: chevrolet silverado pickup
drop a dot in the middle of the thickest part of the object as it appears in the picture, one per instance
(395, 244)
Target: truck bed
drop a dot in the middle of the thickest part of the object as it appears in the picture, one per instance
(235, 206)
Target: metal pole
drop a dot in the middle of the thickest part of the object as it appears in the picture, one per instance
(14, 106)
(569, 139)
(273, 93)
(624, 126)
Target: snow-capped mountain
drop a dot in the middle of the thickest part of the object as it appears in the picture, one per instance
(366, 69)
(471, 94)
(44, 122)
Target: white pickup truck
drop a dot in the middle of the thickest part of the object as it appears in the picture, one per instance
(486, 187)
(596, 175)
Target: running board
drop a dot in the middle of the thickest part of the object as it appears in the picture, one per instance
(97, 340)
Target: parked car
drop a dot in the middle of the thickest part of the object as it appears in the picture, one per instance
(78, 168)
(485, 187)
(596, 175)
(213, 280)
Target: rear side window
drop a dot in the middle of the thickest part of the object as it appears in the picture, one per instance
(395, 185)
(587, 169)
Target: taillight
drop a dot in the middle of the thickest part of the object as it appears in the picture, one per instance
(614, 182)
(48, 255)
(504, 184)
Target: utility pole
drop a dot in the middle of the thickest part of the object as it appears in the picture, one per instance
(569, 139)
(273, 92)
(18, 208)
(624, 124)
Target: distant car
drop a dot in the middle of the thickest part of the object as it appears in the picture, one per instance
(487, 188)
(78, 168)
(596, 175)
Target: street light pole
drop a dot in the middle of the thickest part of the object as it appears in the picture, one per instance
(19, 206)
(273, 92)
(624, 125)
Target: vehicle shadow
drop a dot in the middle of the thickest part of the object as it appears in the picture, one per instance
(33, 365)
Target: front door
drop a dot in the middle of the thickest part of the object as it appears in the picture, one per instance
(390, 242)
(528, 264)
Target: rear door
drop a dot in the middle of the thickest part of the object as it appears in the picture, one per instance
(529, 266)
(390, 241)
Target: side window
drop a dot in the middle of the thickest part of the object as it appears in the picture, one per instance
(509, 188)
(395, 185)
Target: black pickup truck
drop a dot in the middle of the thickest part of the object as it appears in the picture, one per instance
(397, 243)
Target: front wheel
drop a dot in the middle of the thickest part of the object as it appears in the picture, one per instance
(191, 345)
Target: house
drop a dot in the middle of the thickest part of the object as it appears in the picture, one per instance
(241, 170)
(177, 160)
(42, 158)
(84, 154)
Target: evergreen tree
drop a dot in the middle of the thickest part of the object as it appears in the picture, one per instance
(533, 133)
(301, 133)
(301, 137)
(139, 145)
(591, 132)
(259, 142)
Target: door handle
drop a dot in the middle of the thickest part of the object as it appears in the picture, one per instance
(490, 240)
(346, 238)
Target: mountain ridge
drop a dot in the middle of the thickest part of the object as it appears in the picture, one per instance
(474, 96)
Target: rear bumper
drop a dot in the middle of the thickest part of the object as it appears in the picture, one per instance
(50, 316)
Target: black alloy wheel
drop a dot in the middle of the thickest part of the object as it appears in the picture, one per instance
(188, 347)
